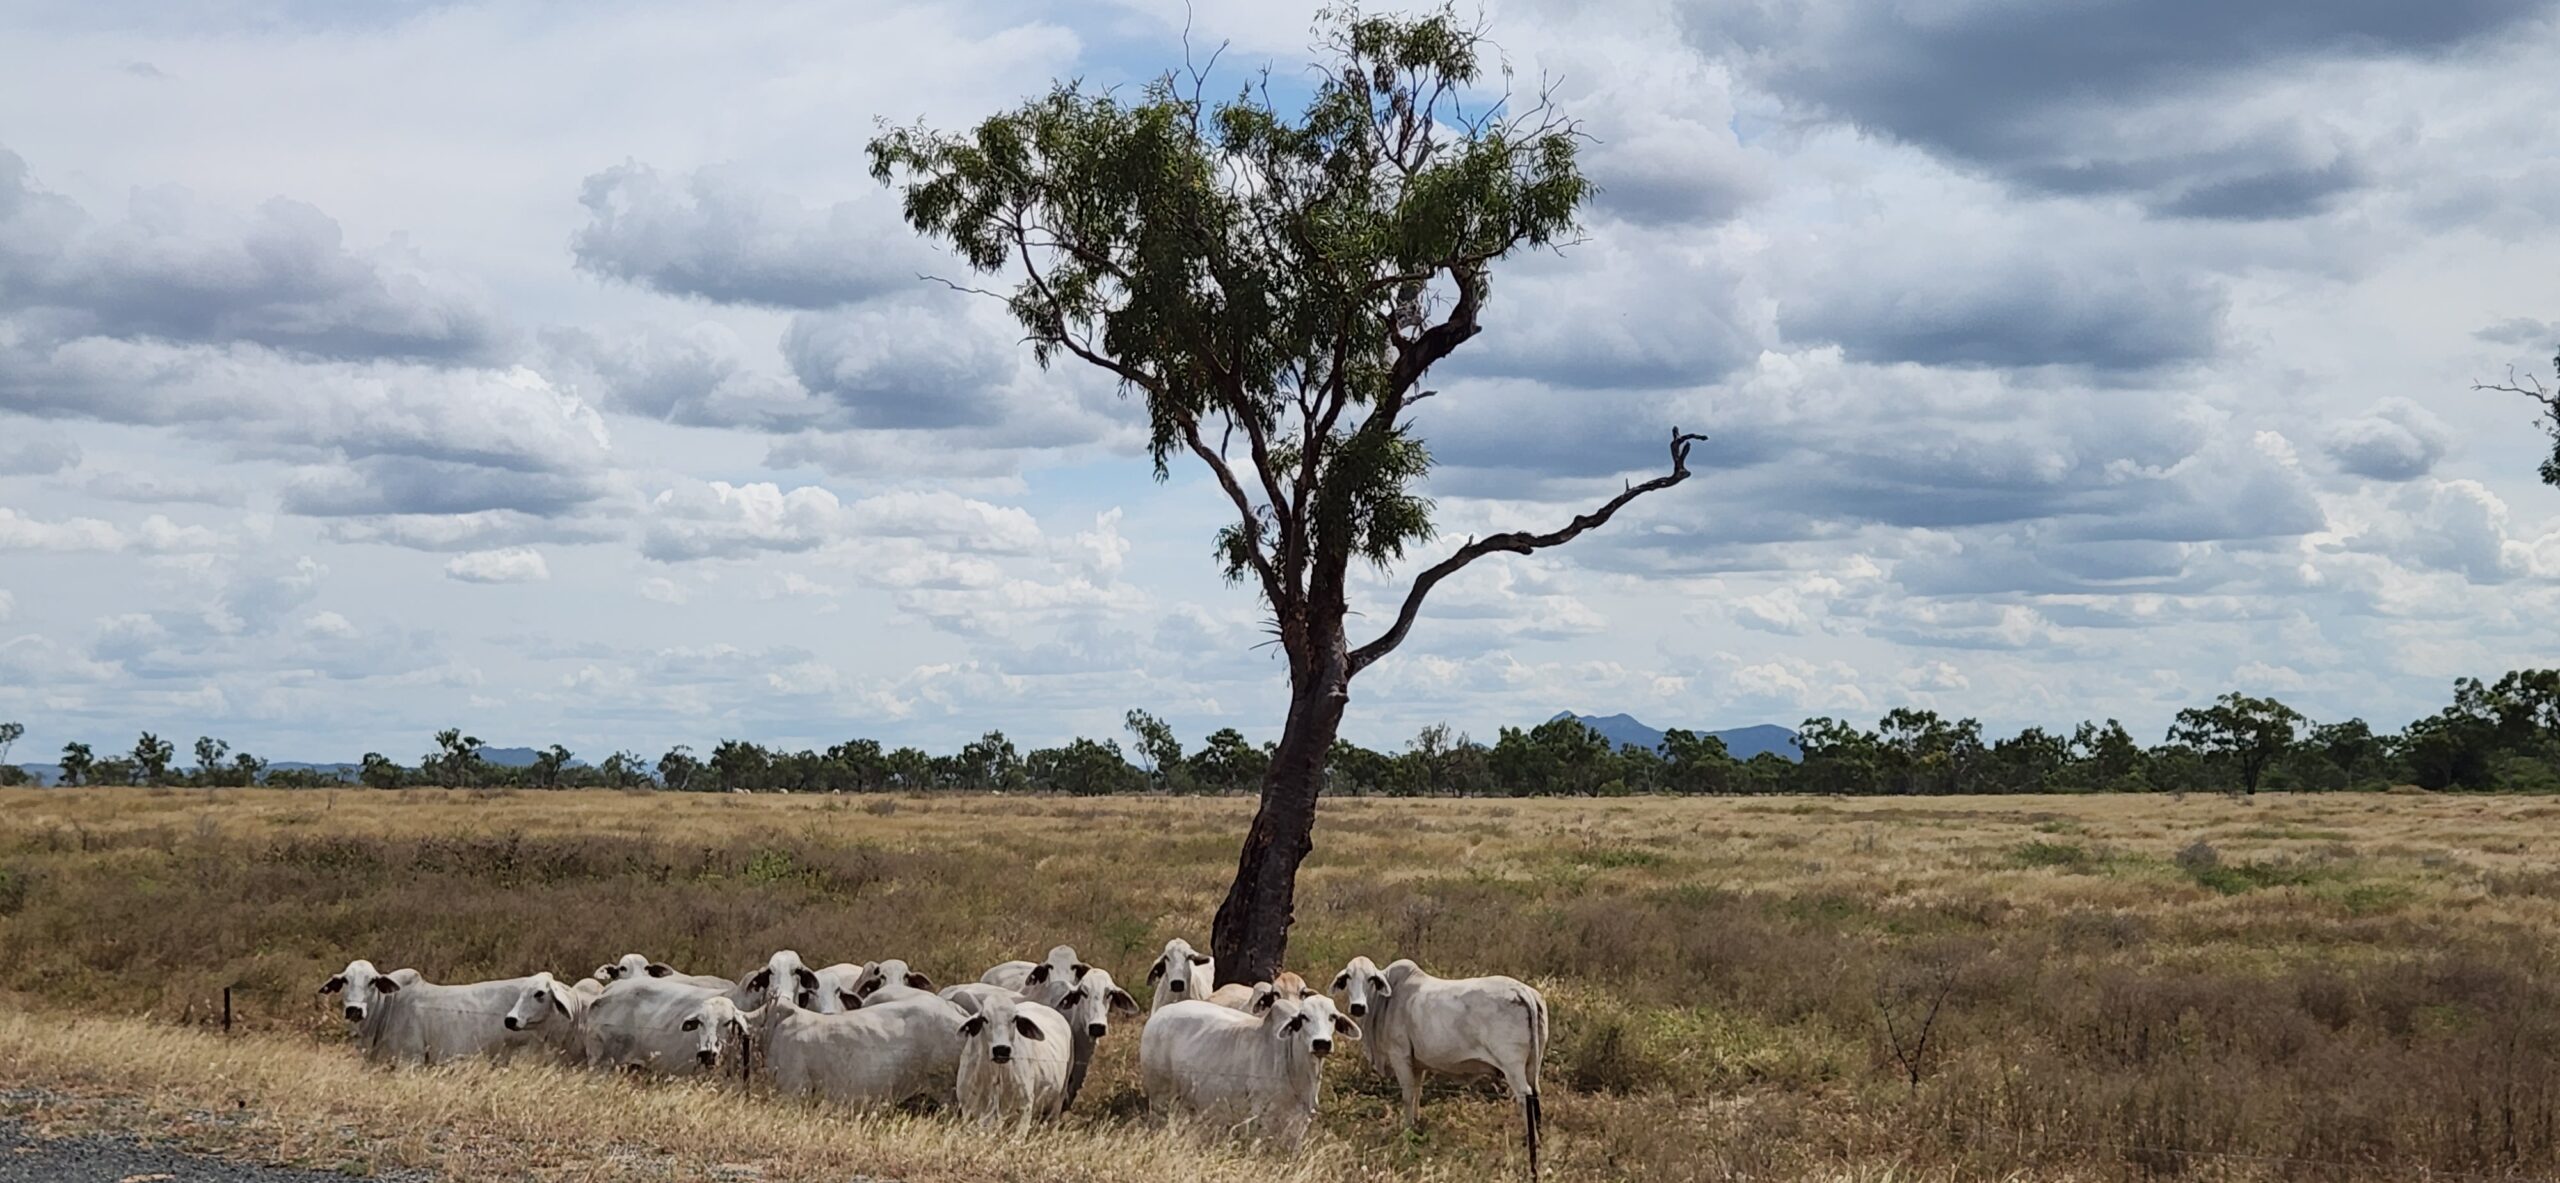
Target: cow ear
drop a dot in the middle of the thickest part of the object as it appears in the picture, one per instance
(806, 977)
(333, 985)
(918, 981)
(690, 1024)
(1080, 969)
(969, 1027)
(1122, 1002)
(1023, 1025)
(760, 979)
(1295, 1022)
(1197, 959)
(1156, 971)
(1263, 996)
(1381, 987)
(1344, 1026)
(848, 1000)
(660, 969)
(560, 999)
(1342, 981)
(386, 985)
(606, 973)
(1039, 974)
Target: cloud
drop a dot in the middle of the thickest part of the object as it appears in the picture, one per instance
(662, 590)
(2397, 440)
(176, 271)
(155, 535)
(33, 452)
(2185, 106)
(515, 564)
(903, 365)
(479, 530)
(2455, 526)
(719, 520)
(2522, 331)
(151, 488)
(729, 241)
(8, 605)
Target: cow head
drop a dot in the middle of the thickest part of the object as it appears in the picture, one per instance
(784, 975)
(1309, 1022)
(993, 1031)
(1173, 969)
(1361, 987)
(876, 974)
(712, 1024)
(542, 997)
(1090, 1003)
(360, 988)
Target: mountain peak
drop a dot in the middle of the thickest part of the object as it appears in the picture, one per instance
(1625, 730)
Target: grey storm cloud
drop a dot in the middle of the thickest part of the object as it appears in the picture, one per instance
(401, 485)
(900, 366)
(2077, 98)
(173, 270)
(2522, 331)
(2034, 314)
(2396, 441)
(711, 238)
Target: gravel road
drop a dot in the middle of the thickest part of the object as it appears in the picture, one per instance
(25, 1159)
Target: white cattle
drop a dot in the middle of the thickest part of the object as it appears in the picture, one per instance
(1493, 1026)
(1181, 974)
(892, 972)
(362, 1005)
(554, 1014)
(633, 966)
(1021, 976)
(974, 997)
(834, 982)
(1088, 1003)
(872, 1058)
(784, 975)
(1014, 1057)
(639, 1022)
(589, 987)
(427, 1023)
(1238, 996)
(1254, 1074)
(712, 1027)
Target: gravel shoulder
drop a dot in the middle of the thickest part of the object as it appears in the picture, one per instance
(25, 1158)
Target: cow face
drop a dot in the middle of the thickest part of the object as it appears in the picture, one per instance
(1173, 968)
(359, 988)
(712, 1025)
(630, 966)
(876, 974)
(1313, 1024)
(1090, 1004)
(542, 999)
(995, 1032)
(784, 975)
(1361, 987)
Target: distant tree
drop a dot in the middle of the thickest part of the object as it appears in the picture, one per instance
(2106, 758)
(2351, 749)
(990, 762)
(116, 770)
(77, 763)
(151, 756)
(1158, 752)
(549, 764)
(859, 764)
(379, 771)
(2032, 761)
(1353, 769)
(909, 768)
(1286, 281)
(1226, 763)
(10, 733)
(625, 770)
(1084, 767)
(2531, 387)
(1838, 757)
(456, 760)
(2249, 733)
(676, 769)
(245, 769)
(1696, 763)
(740, 766)
(210, 753)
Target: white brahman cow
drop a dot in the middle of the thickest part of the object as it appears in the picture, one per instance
(1181, 974)
(1014, 1057)
(554, 1014)
(892, 972)
(1417, 1023)
(1256, 1074)
(872, 1058)
(362, 1004)
(427, 1023)
(1238, 996)
(1021, 976)
(638, 1023)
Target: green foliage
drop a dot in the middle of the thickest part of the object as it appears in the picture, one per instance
(2248, 733)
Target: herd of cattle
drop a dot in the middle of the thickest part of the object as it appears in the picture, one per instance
(1013, 1045)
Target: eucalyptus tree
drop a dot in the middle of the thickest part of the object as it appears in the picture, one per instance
(1275, 287)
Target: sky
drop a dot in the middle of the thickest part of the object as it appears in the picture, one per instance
(558, 372)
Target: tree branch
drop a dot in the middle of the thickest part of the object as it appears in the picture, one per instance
(1517, 542)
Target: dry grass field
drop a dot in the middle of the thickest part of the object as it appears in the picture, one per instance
(2349, 987)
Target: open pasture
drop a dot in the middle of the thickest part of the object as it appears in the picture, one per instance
(2113, 987)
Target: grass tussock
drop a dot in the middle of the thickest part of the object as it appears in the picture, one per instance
(2110, 988)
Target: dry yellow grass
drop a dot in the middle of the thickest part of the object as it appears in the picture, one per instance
(2341, 987)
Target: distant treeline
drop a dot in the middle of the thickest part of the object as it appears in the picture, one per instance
(2501, 736)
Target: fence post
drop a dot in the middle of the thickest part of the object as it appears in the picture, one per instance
(226, 1010)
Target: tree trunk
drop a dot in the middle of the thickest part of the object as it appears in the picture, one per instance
(1250, 938)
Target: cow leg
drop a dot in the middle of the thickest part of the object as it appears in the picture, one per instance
(1409, 1079)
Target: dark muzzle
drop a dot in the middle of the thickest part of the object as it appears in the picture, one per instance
(512, 1024)
(355, 1014)
(1323, 1047)
(1097, 1030)
(1358, 1009)
(1002, 1055)
(708, 1058)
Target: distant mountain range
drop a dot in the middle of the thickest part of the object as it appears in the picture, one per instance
(1742, 742)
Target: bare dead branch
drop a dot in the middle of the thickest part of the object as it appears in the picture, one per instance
(1518, 542)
